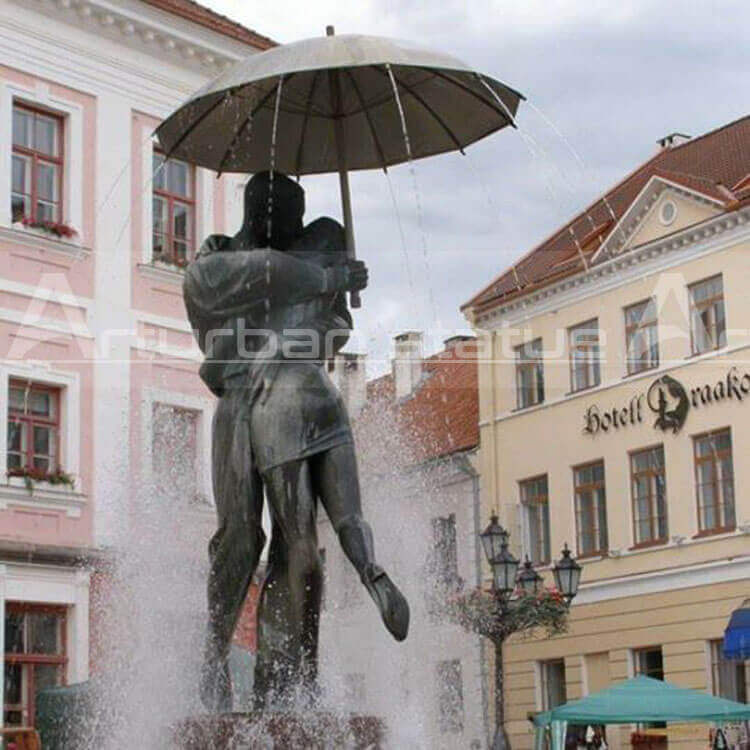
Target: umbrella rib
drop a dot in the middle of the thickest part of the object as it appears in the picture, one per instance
(308, 108)
(248, 120)
(366, 112)
(473, 93)
(193, 126)
(429, 109)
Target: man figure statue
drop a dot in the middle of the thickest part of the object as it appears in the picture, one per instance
(264, 305)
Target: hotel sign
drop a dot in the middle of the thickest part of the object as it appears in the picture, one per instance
(669, 401)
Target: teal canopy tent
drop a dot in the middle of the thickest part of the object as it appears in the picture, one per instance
(641, 699)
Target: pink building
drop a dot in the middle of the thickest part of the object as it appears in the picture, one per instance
(95, 349)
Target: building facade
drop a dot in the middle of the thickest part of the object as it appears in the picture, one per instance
(98, 369)
(416, 432)
(614, 417)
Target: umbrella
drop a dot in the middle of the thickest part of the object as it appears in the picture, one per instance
(334, 104)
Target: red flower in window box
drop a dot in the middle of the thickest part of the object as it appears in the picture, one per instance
(58, 228)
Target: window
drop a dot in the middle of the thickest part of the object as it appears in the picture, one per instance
(450, 696)
(729, 679)
(37, 165)
(33, 428)
(650, 663)
(714, 481)
(174, 452)
(649, 493)
(591, 508)
(707, 321)
(444, 561)
(34, 657)
(641, 340)
(553, 690)
(584, 355)
(535, 508)
(174, 210)
(529, 374)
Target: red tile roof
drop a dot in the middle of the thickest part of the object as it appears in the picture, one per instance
(710, 164)
(440, 418)
(204, 16)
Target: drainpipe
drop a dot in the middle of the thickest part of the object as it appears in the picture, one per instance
(463, 464)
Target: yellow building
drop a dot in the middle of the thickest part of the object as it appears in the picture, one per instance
(615, 416)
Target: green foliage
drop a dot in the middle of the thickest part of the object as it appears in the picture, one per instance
(31, 476)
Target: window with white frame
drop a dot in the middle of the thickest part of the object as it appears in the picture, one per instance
(37, 165)
(444, 555)
(535, 509)
(450, 696)
(174, 452)
(553, 689)
(33, 431)
(729, 678)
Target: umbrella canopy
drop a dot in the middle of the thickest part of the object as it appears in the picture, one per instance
(737, 634)
(229, 125)
(645, 699)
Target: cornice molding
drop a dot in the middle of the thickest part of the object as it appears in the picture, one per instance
(197, 50)
(709, 236)
(43, 497)
(161, 273)
(616, 241)
(44, 242)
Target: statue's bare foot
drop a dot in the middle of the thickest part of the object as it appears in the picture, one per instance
(394, 609)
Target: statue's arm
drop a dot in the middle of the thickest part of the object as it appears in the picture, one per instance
(242, 281)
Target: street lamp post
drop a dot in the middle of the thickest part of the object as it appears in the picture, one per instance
(506, 580)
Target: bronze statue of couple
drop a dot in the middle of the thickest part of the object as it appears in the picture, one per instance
(268, 306)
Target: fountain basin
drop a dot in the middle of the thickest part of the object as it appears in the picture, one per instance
(313, 730)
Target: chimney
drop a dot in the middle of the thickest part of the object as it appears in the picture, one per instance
(672, 140)
(407, 364)
(349, 374)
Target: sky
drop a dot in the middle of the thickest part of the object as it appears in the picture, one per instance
(603, 81)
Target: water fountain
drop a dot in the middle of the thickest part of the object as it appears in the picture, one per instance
(331, 104)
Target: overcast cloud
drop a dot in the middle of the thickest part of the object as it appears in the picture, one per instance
(612, 77)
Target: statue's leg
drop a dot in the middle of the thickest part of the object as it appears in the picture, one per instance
(288, 642)
(235, 548)
(336, 481)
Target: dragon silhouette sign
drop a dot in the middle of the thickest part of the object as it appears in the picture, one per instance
(669, 400)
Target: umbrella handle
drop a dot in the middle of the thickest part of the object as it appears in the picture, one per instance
(351, 251)
(346, 198)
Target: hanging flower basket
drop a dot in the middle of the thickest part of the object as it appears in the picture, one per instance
(479, 611)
